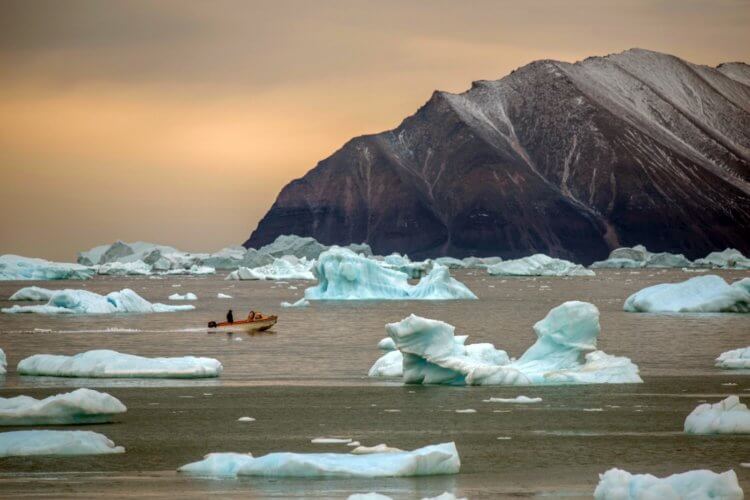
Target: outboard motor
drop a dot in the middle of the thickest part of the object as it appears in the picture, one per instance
(212, 324)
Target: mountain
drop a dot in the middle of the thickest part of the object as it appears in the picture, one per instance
(571, 160)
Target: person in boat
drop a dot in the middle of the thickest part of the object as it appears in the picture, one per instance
(251, 316)
(230, 317)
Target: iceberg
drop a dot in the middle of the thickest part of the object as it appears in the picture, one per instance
(194, 270)
(481, 262)
(617, 484)
(84, 302)
(137, 268)
(344, 275)
(517, 399)
(667, 260)
(226, 258)
(28, 443)
(187, 296)
(638, 256)
(538, 265)
(430, 460)
(617, 264)
(736, 359)
(285, 268)
(15, 267)
(300, 303)
(3, 362)
(223, 296)
(726, 259)
(82, 406)
(120, 251)
(709, 293)
(451, 263)
(104, 363)
(306, 246)
(391, 363)
(564, 353)
(398, 262)
(725, 417)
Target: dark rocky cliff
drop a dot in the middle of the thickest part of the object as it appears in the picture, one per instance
(571, 160)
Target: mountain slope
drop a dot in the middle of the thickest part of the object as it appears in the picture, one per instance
(571, 160)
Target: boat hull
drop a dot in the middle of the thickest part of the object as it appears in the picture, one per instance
(247, 326)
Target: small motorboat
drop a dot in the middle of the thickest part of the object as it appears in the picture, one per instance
(259, 323)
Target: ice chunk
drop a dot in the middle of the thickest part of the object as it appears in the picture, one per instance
(285, 268)
(726, 259)
(223, 296)
(3, 363)
(33, 293)
(226, 258)
(84, 302)
(112, 364)
(82, 406)
(327, 440)
(430, 460)
(666, 259)
(15, 267)
(480, 262)
(538, 265)
(617, 484)
(27, 443)
(708, 293)
(567, 333)
(413, 270)
(343, 275)
(378, 448)
(137, 268)
(246, 419)
(194, 270)
(290, 244)
(736, 359)
(386, 344)
(517, 399)
(123, 252)
(617, 264)
(725, 417)
(368, 496)
(187, 296)
(389, 364)
(451, 263)
(300, 303)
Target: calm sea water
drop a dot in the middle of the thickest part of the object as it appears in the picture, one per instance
(308, 379)
(335, 342)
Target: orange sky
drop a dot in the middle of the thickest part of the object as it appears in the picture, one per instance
(179, 122)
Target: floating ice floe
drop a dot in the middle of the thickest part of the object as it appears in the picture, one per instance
(538, 265)
(187, 296)
(84, 302)
(430, 460)
(303, 302)
(82, 406)
(3, 362)
(403, 263)
(137, 268)
(112, 364)
(451, 263)
(617, 484)
(344, 275)
(391, 364)
(15, 267)
(246, 419)
(28, 443)
(726, 259)
(223, 296)
(725, 417)
(708, 293)
(305, 246)
(517, 399)
(285, 268)
(638, 256)
(377, 496)
(378, 448)
(736, 359)
(481, 262)
(329, 440)
(194, 270)
(564, 353)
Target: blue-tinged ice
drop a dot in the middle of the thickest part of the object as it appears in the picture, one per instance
(725, 417)
(726, 259)
(15, 267)
(112, 364)
(699, 294)
(287, 267)
(137, 268)
(344, 275)
(736, 359)
(617, 484)
(403, 263)
(187, 296)
(303, 302)
(564, 353)
(84, 302)
(28, 443)
(430, 460)
(3, 363)
(538, 265)
(82, 406)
